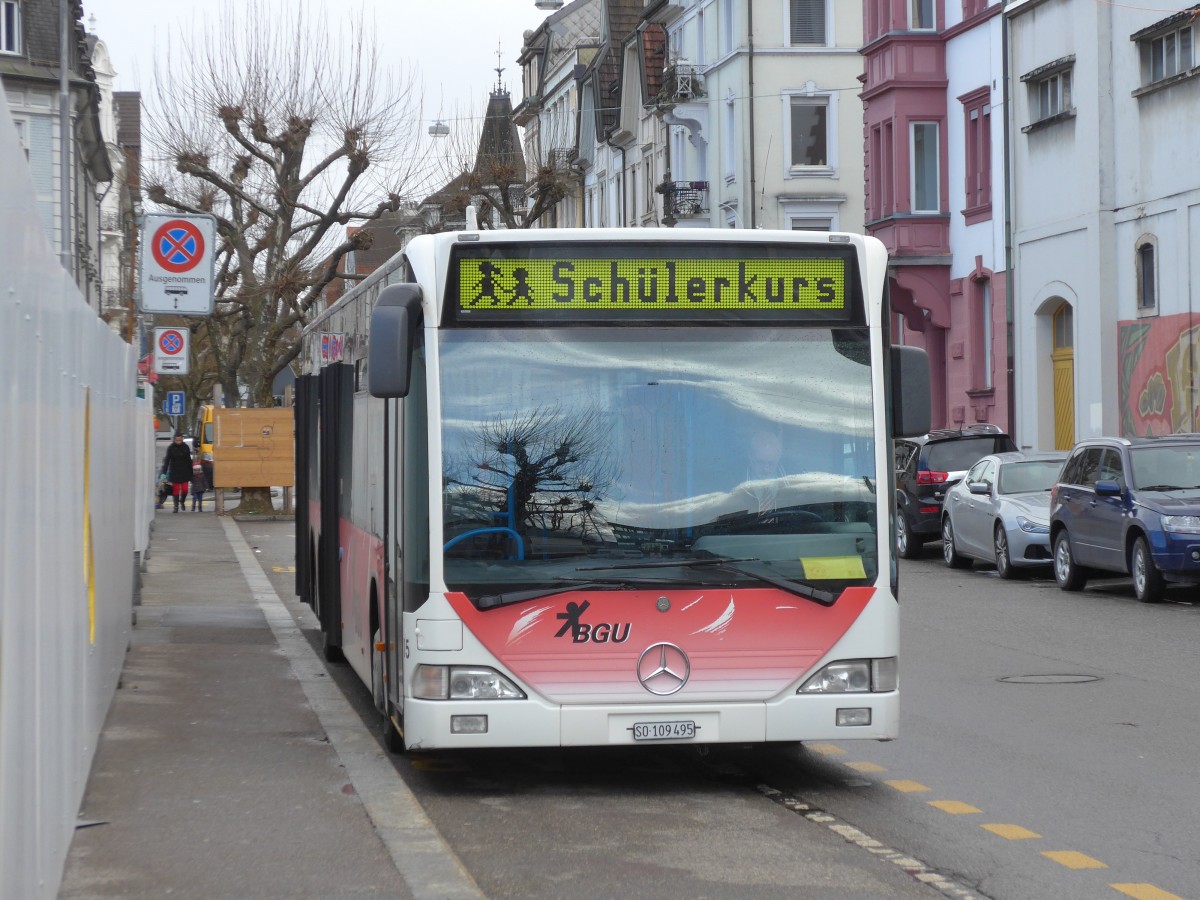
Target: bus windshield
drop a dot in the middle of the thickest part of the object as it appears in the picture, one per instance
(575, 455)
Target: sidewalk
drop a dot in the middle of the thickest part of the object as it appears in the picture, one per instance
(218, 773)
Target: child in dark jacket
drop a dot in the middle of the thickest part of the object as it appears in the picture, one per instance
(199, 486)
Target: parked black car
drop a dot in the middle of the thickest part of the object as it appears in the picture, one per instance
(1131, 506)
(926, 467)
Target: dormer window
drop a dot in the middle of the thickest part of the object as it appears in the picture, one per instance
(10, 26)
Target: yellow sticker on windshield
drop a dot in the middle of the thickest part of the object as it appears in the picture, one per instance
(820, 568)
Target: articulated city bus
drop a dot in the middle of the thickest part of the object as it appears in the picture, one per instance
(594, 487)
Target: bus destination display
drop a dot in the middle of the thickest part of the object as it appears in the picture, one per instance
(815, 287)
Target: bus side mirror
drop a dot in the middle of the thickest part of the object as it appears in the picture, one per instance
(389, 349)
(910, 392)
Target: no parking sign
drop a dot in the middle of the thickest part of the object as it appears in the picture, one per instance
(177, 264)
(171, 351)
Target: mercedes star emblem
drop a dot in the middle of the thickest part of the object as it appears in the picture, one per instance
(663, 669)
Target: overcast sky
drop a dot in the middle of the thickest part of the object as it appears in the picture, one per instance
(449, 44)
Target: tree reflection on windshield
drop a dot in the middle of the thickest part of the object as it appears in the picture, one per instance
(566, 445)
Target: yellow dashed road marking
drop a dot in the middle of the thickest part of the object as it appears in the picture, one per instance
(865, 767)
(826, 749)
(1144, 892)
(905, 786)
(954, 807)
(283, 568)
(1072, 859)
(1011, 832)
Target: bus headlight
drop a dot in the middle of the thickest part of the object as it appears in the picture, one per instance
(463, 683)
(854, 676)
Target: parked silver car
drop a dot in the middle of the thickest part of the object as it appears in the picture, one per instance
(1000, 513)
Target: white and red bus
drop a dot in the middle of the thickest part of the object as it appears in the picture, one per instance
(590, 487)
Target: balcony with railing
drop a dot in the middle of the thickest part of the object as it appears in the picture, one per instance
(559, 159)
(683, 200)
(681, 84)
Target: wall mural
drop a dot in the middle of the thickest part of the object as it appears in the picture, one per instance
(1160, 359)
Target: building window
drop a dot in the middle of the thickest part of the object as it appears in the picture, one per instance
(973, 7)
(809, 133)
(726, 26)
(881, 195)
(22, 136)
(925, 167)
(806, 22)
(878, 19)
(1064, 328)
(921, 15)
(983, 331)
(10, 26)
(1147, 277)
(804, 214)
(1049, 92)
(977, 113)
(1167, 54)
(1054, 94)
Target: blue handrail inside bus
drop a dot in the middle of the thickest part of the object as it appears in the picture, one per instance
(496, 530)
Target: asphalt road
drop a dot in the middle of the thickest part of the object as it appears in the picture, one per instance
(1046, 751)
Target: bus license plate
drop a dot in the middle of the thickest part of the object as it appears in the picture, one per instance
(663, 731)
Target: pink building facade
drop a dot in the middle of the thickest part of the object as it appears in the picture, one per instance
(934, 193)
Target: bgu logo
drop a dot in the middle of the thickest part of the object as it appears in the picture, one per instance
(582, 632)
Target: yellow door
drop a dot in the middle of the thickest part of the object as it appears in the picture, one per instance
(1063, 358)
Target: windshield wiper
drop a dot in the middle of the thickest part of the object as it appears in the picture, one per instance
(1165, 487)
(669, 563)
(507, 598)
(729, 564)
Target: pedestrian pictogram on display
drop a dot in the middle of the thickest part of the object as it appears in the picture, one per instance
(177, 264)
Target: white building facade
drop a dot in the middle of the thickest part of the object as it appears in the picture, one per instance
(775, 128)
(1106, 219)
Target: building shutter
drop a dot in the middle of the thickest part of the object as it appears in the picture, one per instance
(807, 22)
(41, 167)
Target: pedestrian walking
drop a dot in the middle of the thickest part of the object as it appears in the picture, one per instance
(199, 486)
(177, 466)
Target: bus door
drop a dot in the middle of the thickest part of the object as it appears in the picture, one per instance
(334, 389)
(306, 459)
(393, 493)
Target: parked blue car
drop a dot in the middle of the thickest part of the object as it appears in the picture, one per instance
(1132, 506)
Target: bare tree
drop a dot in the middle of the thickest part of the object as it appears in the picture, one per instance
(286, 133)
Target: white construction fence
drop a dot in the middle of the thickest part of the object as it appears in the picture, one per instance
(76, 496)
